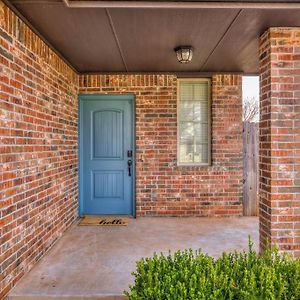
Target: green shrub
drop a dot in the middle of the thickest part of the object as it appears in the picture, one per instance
(194, 275)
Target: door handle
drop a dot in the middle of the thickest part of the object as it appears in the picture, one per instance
(129, 163)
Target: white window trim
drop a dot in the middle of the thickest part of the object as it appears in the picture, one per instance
(196, 80)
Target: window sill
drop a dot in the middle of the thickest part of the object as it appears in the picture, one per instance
(195, 165)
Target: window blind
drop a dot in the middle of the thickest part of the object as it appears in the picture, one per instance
(194, 122)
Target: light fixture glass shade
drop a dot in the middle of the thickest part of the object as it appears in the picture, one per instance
(184, 54)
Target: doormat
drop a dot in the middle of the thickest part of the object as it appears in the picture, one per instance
(103, 221)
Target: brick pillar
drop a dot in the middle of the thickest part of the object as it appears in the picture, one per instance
(279, 161)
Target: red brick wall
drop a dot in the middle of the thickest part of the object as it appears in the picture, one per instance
(163, 188)
(38, 148)
(280, 139)
(38, 158)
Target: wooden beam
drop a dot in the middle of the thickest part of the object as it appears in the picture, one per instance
(181, 4)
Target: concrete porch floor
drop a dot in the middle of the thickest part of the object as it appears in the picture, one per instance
(96, 262)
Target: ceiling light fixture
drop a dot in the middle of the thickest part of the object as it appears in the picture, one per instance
(184, 54)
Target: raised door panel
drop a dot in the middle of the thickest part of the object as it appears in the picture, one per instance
(107, 134)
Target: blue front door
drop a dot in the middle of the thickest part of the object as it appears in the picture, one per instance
(106, 154)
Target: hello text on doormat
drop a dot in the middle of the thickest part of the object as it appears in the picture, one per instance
(103, 221)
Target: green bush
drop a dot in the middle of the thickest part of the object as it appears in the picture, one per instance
(194, 275)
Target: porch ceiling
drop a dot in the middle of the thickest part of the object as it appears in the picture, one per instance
(142, 39)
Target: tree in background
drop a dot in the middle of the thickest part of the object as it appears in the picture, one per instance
(250, 110)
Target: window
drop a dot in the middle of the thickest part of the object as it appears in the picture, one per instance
(193, 142)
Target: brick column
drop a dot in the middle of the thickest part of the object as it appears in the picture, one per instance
(279, 162)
